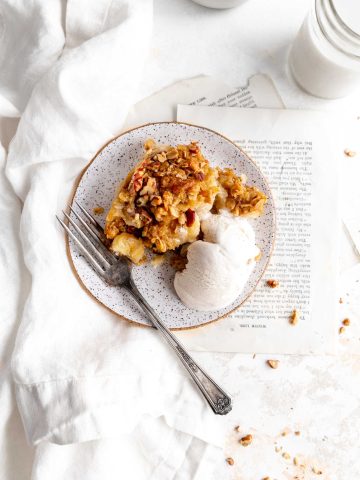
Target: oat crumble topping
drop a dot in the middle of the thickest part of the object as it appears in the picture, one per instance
(160, 200)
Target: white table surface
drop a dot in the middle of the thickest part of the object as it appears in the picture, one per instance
(319, 396)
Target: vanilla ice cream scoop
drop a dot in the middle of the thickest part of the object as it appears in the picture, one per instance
(218, 266)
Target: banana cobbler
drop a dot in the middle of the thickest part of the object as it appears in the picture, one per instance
(161, 201)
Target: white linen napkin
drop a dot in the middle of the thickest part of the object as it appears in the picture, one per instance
(81, 374)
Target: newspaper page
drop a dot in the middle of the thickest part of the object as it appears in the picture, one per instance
(203, 90)
(294, 149)
(227, 335)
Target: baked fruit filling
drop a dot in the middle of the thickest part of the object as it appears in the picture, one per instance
(160, 203)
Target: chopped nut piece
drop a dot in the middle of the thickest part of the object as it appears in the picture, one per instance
(237, 428)
(266, 478)
(245, 441)
(341, 330)
(272, 283)
(349, 153)
(296, 461)
(98, 210)
(346, 322)
(297, 433)
(316, 471)
(230, 461)
(283, 434)
(294, 317)
(286, 456)
(278, 449)
(273, 363)
(341, 300)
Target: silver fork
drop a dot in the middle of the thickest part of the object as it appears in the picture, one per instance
(91, 241)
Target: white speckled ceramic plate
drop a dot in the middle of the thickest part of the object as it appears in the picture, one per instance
(97, 187)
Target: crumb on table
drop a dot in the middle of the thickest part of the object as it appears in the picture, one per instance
(273, 363)
(317, 471)
(230, 461)
(346, 322)
(349, 153)
(272, 283)
(294, 317)
(246, 440)
(341, 330)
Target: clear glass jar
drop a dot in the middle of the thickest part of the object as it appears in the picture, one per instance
(325, 56)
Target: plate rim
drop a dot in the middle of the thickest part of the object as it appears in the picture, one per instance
(71, 201)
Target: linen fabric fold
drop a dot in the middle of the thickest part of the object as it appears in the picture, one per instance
(80, 373)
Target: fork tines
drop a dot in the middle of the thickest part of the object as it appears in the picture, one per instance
(89, 237)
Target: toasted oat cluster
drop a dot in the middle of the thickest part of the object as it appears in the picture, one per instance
(240, 199)
(161, 201)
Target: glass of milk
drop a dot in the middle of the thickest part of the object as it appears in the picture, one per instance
(325, 56)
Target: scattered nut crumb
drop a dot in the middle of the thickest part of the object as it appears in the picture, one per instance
(294, 317)
(237, 428)
(273, 363)
(245, 441)
(341, 330)
(266, 478)
(254, 355)
(272, 283)
(258, 256)
(278, 449)
(297, 432)
(98, 210)
(346, 322)
(341, 300)
(283, 434)
(286, 455)
(349, 153)
(316, 471)
(230, 461)
(296, 461)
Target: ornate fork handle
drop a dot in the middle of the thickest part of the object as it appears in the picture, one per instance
(218, 400)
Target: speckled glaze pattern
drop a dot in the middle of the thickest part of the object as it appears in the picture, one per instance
(97, 187)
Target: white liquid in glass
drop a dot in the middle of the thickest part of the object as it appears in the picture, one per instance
(317, 65)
